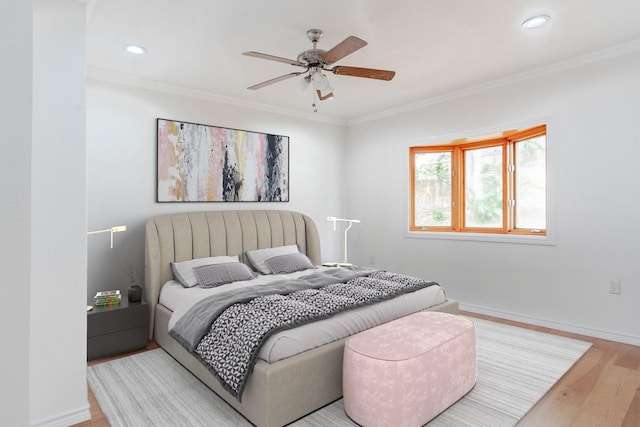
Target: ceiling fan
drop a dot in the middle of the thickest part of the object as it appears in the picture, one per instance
(317, 60)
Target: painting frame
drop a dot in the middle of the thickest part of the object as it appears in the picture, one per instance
(205, 163)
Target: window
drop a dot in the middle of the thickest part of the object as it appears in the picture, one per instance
(488, 185)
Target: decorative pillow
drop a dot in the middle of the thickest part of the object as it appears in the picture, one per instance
(213, 275)
(289, 263)
(259, 256)
(184, 270)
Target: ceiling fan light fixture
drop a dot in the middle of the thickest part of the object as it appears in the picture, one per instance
(536, 21)
(320, 82)
(305, 85)
(326, 87)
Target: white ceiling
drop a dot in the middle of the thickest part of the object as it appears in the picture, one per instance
(435, 46)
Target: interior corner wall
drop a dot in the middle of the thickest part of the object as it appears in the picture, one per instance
(16, 27)
(121, 153)
(58, 320)
(593, 130)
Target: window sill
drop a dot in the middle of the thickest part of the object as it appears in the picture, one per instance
(483, 237)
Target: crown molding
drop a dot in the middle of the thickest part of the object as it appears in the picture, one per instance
(579, 61)
(99, 74)
(128, 80)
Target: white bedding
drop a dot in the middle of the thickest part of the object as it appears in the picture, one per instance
(293, 341)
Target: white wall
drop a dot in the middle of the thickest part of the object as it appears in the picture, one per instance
(16, 27)
(121, 138)
(43, 216)
(593, 137)
(43, 243)
(57, 352)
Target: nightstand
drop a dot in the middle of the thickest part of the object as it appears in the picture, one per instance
(117, 329)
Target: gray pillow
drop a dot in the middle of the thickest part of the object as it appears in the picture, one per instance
(289, 263)
(259, 256)
(183, 271)
(210, 276)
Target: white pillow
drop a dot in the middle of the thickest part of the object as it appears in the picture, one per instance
(259, 256)
(184, 270)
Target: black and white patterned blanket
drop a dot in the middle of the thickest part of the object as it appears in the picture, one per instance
(226, 333)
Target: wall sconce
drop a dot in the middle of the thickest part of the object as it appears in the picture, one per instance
(350, 221)
(111, 230)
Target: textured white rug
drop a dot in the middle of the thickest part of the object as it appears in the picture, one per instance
(516, 367)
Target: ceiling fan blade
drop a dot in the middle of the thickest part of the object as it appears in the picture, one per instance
(324, 97)
(368, 73)
(342, 49)
(274, 58)
(275, 80)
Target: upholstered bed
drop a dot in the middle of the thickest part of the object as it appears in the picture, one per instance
(276, 393)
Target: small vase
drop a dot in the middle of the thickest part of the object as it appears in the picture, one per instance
(134, 293)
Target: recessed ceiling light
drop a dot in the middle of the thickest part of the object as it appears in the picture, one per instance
(536, 21)
(135, 49)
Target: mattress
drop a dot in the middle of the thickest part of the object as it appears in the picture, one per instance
(290, 342)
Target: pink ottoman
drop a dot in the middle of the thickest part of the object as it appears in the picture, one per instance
(405, 372)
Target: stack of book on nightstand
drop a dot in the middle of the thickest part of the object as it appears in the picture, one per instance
(107, 298)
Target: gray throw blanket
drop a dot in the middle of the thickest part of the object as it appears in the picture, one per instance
(225, 331)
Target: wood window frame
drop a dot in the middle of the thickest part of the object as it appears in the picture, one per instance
(507, 140)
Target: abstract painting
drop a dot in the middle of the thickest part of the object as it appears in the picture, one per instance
(200, 163)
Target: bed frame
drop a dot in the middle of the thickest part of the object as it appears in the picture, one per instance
(276, 393)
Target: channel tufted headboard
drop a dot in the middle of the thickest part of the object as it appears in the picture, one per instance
(189, 235)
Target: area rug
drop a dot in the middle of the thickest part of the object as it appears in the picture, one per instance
(516, 367)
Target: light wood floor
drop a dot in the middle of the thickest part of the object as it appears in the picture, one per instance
(601, 390)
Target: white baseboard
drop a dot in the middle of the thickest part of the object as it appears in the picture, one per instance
(65, 419)
(596, 333)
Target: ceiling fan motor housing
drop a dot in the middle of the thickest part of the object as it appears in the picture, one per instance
(312, 57)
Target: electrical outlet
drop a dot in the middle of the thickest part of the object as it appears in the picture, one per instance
(614, 287)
